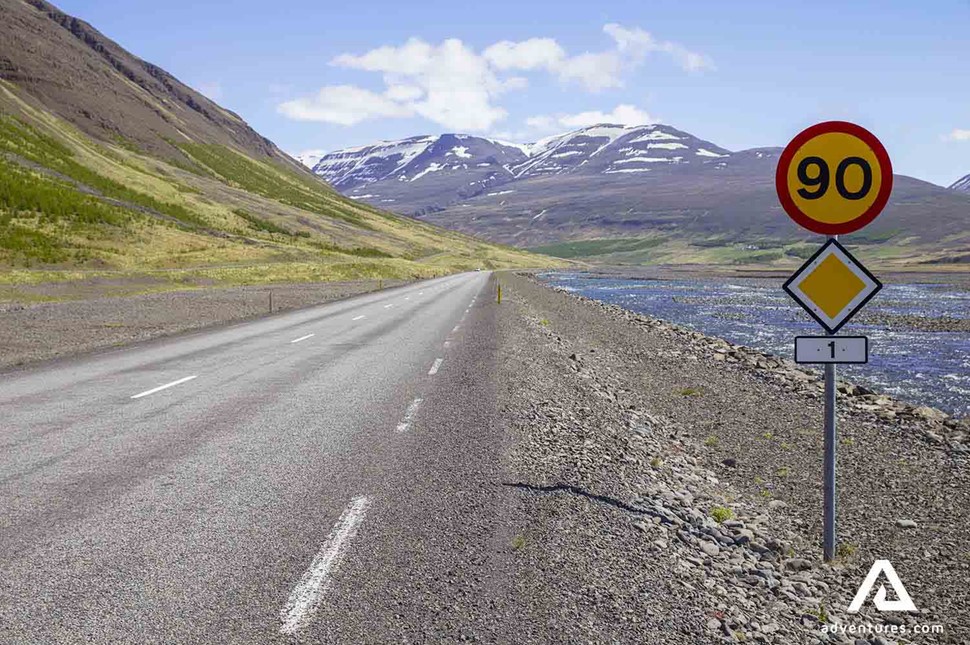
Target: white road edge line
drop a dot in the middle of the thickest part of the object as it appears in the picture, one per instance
(164, 387)
(389, 306)
(409, 415)
(360, 317)
(435, 367)
(296, 340)
(455, 329)
(308, 593)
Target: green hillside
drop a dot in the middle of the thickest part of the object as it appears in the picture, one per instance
(73, 207)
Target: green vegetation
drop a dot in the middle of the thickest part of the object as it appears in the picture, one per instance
(845, 550)
(656, 462)
(272, 181)
(691, 391)
(712, 441)
(590, 248)
(26, 142)
(782, 472)
(518, 542)
(721, 514)
(75, 211)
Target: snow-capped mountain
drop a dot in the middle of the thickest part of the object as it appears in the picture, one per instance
(427, 173)
(310, 158)
(613, 149)
(606, 181)
(962, 185)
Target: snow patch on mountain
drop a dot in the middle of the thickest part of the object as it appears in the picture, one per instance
(962, 184)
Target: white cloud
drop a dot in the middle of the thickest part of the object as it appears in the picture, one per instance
(622, 114)
(343, 105)
(637, 44)
(453, 86)
(531, 54)
(958, 135)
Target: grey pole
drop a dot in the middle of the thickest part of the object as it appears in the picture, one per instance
(830, 443)
(828, 544)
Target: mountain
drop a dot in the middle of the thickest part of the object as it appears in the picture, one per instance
(421, 173)
(962, 184)
(424, 174)
(110, 164)
(684, 198)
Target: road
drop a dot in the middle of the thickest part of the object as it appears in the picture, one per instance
(324, 475)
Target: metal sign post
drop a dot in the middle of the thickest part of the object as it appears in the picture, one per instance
(833, 178)
(828, 542)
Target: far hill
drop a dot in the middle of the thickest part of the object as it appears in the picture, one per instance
(662, 194)
(962, 184)
(110, 164)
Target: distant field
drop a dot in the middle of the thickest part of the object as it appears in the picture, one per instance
(763, 253)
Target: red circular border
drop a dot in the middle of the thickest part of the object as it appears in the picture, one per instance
(803, 220)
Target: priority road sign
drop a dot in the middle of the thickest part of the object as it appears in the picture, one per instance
(834, 178)
(832, 286)
(831, 349)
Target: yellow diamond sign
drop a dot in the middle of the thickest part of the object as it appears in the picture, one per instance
(832, 286)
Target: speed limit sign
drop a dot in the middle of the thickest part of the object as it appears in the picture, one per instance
(834, 178)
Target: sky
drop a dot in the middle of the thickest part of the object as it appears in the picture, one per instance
(328, 75)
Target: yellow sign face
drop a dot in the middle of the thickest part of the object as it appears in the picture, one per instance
(834, 178)
(832, 286)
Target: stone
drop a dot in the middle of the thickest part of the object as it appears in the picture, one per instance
(710, 548)
(906, 524)
(798, 564)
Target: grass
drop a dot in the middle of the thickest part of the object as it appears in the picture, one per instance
(271, 181)
(595, 247)
(721, 514)
(73, 210)
(690, 391)
(518, 542)
(712, 441)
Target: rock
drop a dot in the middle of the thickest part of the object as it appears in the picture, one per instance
(798, 564)
(714, 624)
(710, 548)
(777, 503)
(928, 413)
(906, 524)
(730, 462)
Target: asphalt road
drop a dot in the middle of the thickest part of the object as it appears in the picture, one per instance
(325, 475)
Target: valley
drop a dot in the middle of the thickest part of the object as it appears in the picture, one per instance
(648, 194)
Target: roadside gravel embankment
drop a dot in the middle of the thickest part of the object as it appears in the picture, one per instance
(672, 485)
(37, 332)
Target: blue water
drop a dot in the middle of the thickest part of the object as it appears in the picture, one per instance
(924, 368)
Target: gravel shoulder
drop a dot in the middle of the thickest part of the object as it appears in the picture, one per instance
(671, 485)
(38, 332)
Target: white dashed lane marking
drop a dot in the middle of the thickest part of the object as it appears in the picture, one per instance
(409, 415)
(164, 387)
(306, 596)
(297, 340)
(435, 367)
(360, 317)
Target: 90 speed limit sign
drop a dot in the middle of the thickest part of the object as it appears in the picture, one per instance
(834, 178)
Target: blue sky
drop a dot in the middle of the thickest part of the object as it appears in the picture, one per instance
(327, 75)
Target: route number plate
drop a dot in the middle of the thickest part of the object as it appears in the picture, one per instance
(831, 349)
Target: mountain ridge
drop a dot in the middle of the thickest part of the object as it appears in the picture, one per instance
(610, 181)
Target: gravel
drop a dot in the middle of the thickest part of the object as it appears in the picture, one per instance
(632, 435)
(32, 333)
